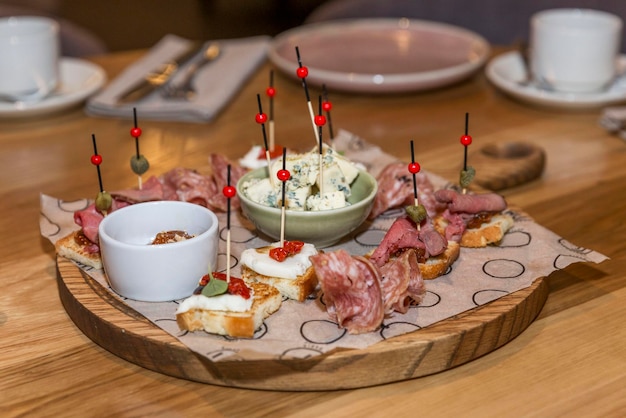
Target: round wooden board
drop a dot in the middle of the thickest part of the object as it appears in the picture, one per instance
(444, 345)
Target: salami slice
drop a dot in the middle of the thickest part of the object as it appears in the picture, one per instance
(352, 293)
(401, 282)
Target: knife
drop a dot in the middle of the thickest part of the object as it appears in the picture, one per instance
(158, 77)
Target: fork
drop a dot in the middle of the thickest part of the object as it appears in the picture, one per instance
(185, 89)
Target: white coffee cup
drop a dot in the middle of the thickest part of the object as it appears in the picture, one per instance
(29, 57)
(574, 50)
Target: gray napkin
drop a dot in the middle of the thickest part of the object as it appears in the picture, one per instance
(216, 82)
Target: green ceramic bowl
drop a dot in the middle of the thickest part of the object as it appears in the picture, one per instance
(321, 228)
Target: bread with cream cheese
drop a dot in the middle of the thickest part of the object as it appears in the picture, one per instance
(294, 277)
(266, 301)
(297, 289)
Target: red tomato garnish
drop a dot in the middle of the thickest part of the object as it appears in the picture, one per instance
(293, 247)
(279, 254)
(288, 249)
(236, 286)
(204, 280)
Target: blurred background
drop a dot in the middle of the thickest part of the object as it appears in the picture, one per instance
(116, 25)
(90, 27)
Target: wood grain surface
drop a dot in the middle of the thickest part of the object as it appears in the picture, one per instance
(449, 343)
(570, 361)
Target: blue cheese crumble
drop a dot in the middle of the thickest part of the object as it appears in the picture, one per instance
(302, 190)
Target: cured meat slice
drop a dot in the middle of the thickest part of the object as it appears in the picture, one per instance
(151, 190)
(90, 217)
(455, 226)
(401, 282)
(471, 203)
(395, 189)
(402, 234)
(434, 242)
(191, 186)
(352, 293)
(219, 165)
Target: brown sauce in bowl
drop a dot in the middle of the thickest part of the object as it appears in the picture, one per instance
(169, 237)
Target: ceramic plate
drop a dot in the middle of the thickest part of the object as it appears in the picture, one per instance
(507, 70)
(380, 55)
(79, 80)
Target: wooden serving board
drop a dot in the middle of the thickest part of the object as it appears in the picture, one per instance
(444, 345)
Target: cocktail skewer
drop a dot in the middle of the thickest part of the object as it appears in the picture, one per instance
(417, 212)
(261, 118)
(320, 121)
(327, 106)
(230, 192)
(302, 73)
(468, 172)
(138, 163)
(283, 175)
(271, 92)
(104, 200)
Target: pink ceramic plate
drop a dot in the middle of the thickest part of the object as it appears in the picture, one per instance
(381, 55)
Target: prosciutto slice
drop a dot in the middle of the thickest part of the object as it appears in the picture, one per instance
(352, 292)
(395, 189)
(90, 217)
(151, 190)
(219, 164)
(190, 185)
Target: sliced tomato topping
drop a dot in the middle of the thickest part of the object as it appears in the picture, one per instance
(236, 286)
(288, 249)
(279, 254)
(293, 247)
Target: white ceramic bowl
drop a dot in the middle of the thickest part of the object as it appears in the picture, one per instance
(156, 273)
(321, 228)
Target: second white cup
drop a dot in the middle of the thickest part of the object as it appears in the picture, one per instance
(29, 57)
(574, 50)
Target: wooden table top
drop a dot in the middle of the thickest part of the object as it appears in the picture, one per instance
(570, 362)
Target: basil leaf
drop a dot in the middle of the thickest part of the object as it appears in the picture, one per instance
(214, 287)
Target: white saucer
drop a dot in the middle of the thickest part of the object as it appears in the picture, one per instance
(381, 55)
(507, 70)
(79, 80)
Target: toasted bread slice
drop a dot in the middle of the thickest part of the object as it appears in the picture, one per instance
(489, 233)
(267, 300)
(435, 266)
(297, 289)
(73, 245)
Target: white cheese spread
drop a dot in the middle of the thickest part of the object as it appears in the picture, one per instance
(292, 267)
(225, 302)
